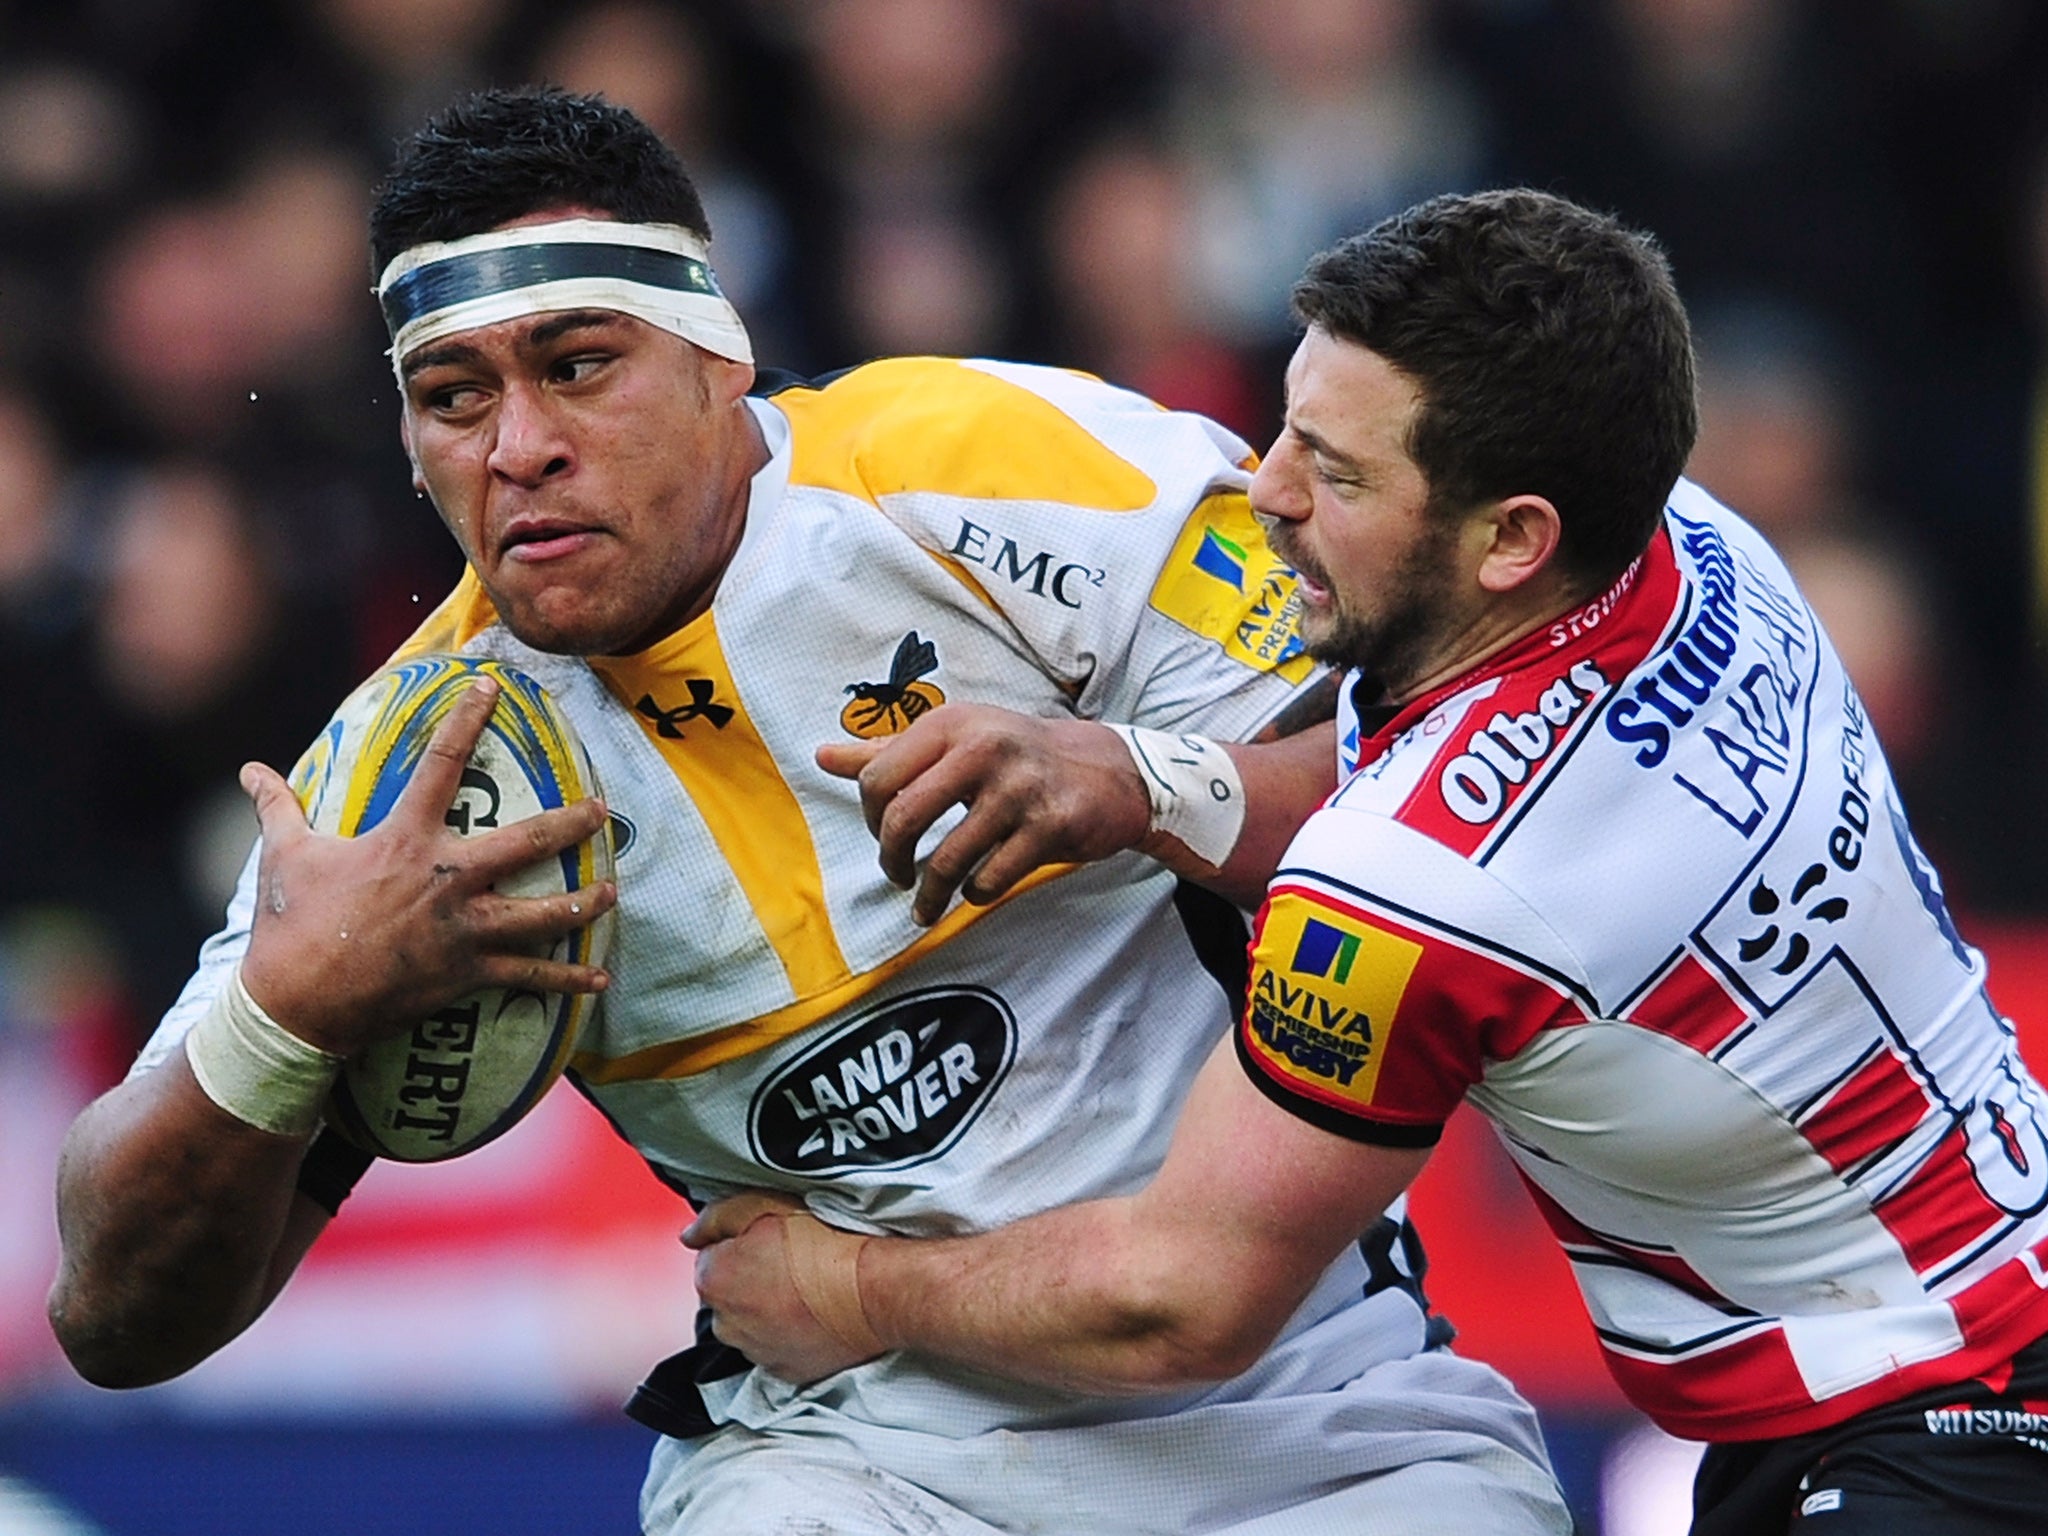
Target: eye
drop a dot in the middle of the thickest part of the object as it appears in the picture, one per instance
(1337, 479)
(578, 368)
(451, 399)
(448, 397)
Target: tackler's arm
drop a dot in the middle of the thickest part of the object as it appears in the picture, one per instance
(1189, 1280)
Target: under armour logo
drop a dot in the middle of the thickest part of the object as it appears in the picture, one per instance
(669, 722)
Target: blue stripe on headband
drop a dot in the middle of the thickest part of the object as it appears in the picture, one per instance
(458, 279)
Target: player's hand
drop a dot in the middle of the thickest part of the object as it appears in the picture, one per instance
(1037, 792)
(357, 938)
(757, 1256)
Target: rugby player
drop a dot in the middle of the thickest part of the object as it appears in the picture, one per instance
(1615, 858)
(712, 573)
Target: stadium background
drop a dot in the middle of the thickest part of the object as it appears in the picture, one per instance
(206, 535)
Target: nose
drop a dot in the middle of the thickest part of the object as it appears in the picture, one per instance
(530, 445)
(1278, 489)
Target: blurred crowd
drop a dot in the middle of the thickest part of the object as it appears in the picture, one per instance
(207, 531)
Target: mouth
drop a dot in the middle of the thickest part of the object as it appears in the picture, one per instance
(534, 541)
(1310, 582)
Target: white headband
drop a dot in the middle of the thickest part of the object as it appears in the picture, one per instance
(658, 272)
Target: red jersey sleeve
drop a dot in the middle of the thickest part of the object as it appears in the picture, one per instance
(1373, 1028)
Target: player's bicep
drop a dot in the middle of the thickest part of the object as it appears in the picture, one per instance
(1262, 1199)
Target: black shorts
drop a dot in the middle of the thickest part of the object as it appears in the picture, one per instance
(1958, 1461)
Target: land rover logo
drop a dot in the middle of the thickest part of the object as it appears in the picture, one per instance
(893, 1087)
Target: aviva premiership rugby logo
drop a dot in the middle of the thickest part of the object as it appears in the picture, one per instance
(1221, 558)
(1223, 581)
(883, 709)
(1325, 987)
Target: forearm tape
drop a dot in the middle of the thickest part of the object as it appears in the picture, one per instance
(824, 1266)
(255, 1068)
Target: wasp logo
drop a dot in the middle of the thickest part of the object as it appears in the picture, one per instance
(883, 709)
(670, 722)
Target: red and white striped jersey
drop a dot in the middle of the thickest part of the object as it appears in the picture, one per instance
(1642, 889)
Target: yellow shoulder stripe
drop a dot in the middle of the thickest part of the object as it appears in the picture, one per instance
(931, 424)
(682, 693)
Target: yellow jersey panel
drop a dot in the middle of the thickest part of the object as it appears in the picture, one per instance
(683, 694)
(934, 424)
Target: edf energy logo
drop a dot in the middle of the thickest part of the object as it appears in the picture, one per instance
(1325, 987)
(895, 1086)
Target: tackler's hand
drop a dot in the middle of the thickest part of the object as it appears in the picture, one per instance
(355, 938)
(783, 1288)
(1037, 792)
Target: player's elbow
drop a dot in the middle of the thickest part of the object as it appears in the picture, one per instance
(114, 1371)
(92, 1353)
(1189, 1325)
(1204, 1349)
(102, 1352)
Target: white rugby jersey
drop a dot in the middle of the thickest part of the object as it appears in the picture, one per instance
(1641, 887)
(928, 530)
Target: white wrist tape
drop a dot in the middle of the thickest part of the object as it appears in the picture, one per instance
(1196, 792)
(255, 1068)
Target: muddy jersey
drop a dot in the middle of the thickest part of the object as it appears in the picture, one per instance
(1642, 890)
(929, 531)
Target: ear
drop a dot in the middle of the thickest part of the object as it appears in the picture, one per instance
(1525, 532)
(730, 380)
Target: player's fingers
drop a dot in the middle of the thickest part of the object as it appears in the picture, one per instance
(903, 762)
(278, 812)
(845, 759)
(439, 772)
(957, 779)
(732, 1216)
(710, 1277)
(516, 921)
(538, 973)
(956, 858)
(497, 919)
(1008, 862)
(506, 849)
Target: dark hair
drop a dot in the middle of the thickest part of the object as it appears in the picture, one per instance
(1550, 351)
(496, 155)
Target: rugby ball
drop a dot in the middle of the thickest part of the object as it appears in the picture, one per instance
(470, 1072)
